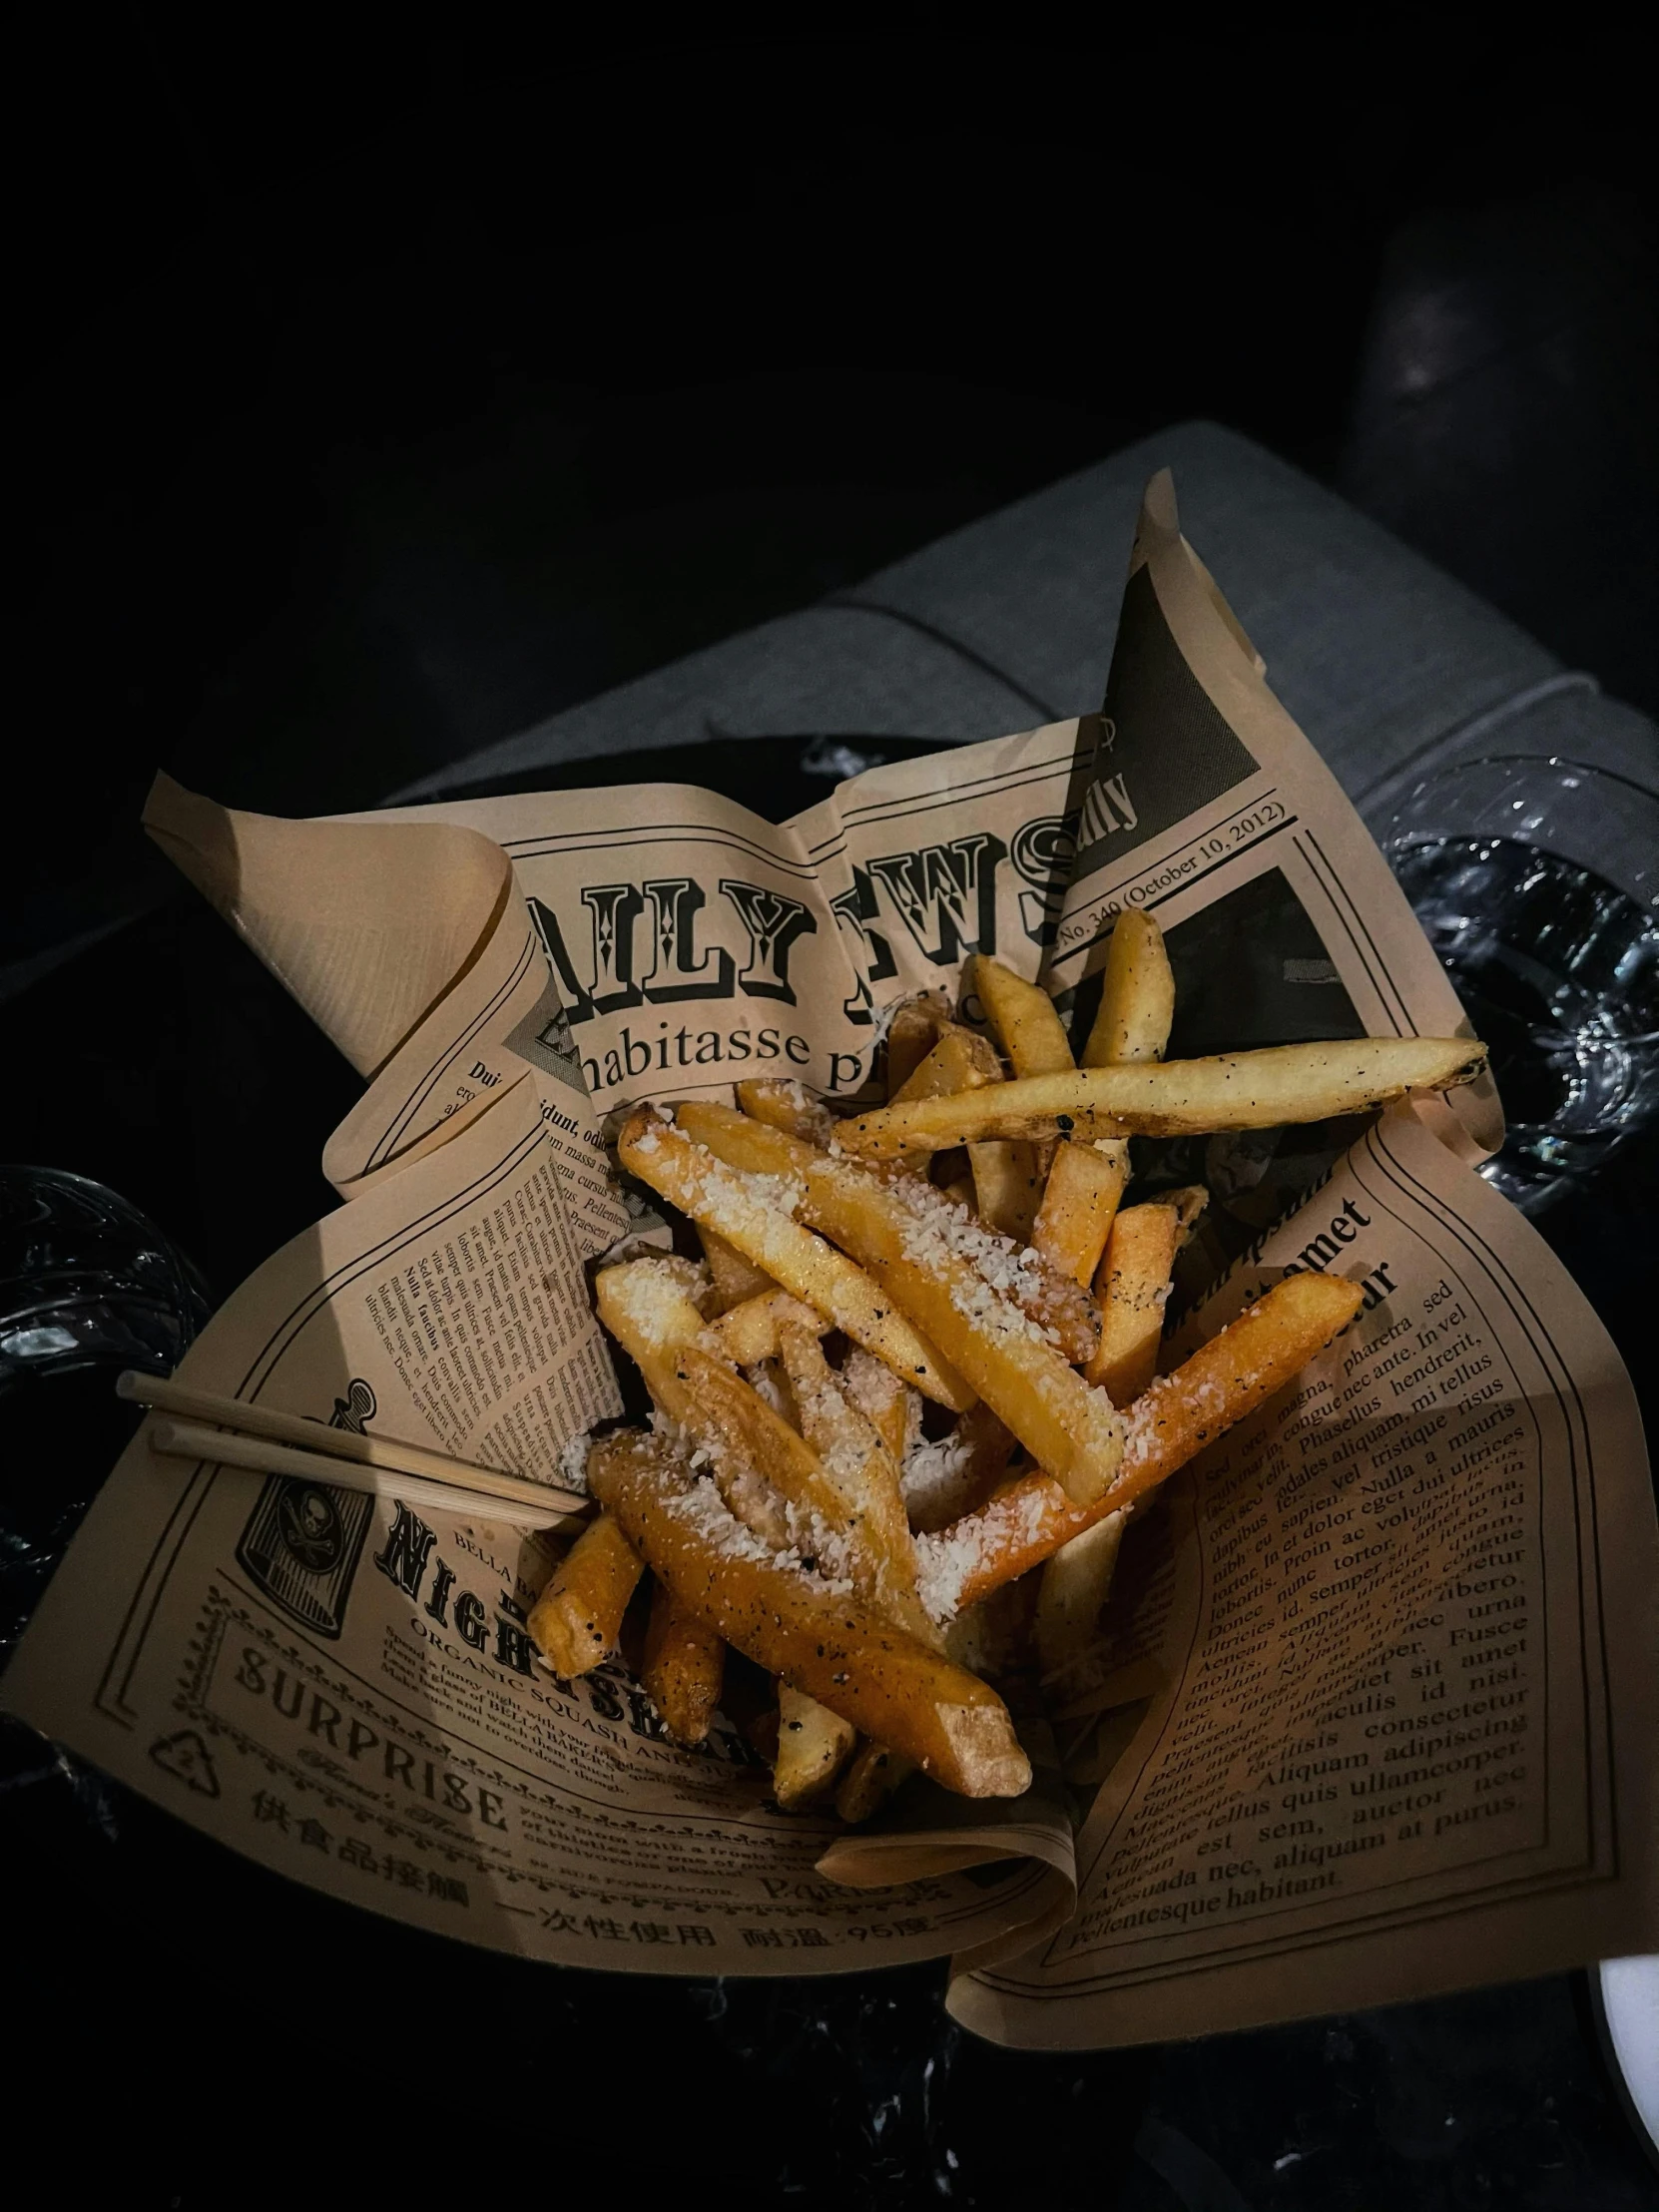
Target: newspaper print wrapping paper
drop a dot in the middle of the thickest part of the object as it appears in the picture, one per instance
(1375, 1713)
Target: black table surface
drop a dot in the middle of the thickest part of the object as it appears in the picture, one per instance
(190, 2030)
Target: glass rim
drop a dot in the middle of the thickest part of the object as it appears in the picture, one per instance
(1516, 760)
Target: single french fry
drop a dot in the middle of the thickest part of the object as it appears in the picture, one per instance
(783, 1103)
(747, 1334)
(1224, 1379)
(576, 1620)
(957, 1473)
(683, 1668)
(892, 1407)
(736, 1280)
(948, 1276)
(832, 1647)
(913, 1031)
(814, 1745)
(1133, 1290)
(1137, 997)
(1028, 1029)
(1079, 1203)
(1137, 1006)
(755, 1217)
(961, 1061)
(1074, 1588)
(1007, 1187)
(1173, 1098)
(1050, 1300)
(872, 1779)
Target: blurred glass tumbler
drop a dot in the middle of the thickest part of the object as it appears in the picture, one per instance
(88, 1287)
(1536, 881)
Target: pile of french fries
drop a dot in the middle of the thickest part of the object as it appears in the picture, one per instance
(906, 1400)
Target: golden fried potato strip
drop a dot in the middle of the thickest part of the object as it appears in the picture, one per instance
(683, 1668)
(576, 1620)
(1074, 1589)
(747, 1334)
(736, 1280)
(783, 1103)
(1172, 1098)
(1137, 997)
(1027, 1027)
(914, 1028)
(1079, 1205)
(814, 1745)
(1133, 1290)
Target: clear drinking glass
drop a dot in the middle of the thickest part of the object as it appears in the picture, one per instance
(1536, 881)
(88, 1285)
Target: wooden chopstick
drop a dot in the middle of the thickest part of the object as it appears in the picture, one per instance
(187, 1441)
(388, 1453)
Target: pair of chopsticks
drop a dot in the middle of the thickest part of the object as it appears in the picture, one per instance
(266, 1441)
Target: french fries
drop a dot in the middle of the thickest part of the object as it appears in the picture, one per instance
(780, 1102)
(955, 1475)
(892, 1407)
(1074, 1587)
(946, 1272)
(747, 1334)
(575, 1622)
(870, 1780)
(735, 1280)
(1079, 1193)
(648, 1313)
(1239, 1369)
(1007, 1183)
(814, 1745)
(1030, 1032)
(959, 1061)
(798, 1509)
(816, 1639)
(1133, 1289)
(764, 1468)
(757, 1221)
(1137, 996)
(861, 1465)
(1174, 1098)
(1007, 1187)
(915, 1027)
(683, 1667)
(1053, 1302)
(1079, 1205)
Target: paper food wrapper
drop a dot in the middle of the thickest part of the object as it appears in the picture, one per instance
(1374, 1716)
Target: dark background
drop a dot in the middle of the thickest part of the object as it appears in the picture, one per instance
(392, 381)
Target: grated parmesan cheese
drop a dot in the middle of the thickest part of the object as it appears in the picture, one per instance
(931, 1472)
(945, 1562)
(814, 1550)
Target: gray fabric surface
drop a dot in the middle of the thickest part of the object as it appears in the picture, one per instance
(1387, 663)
